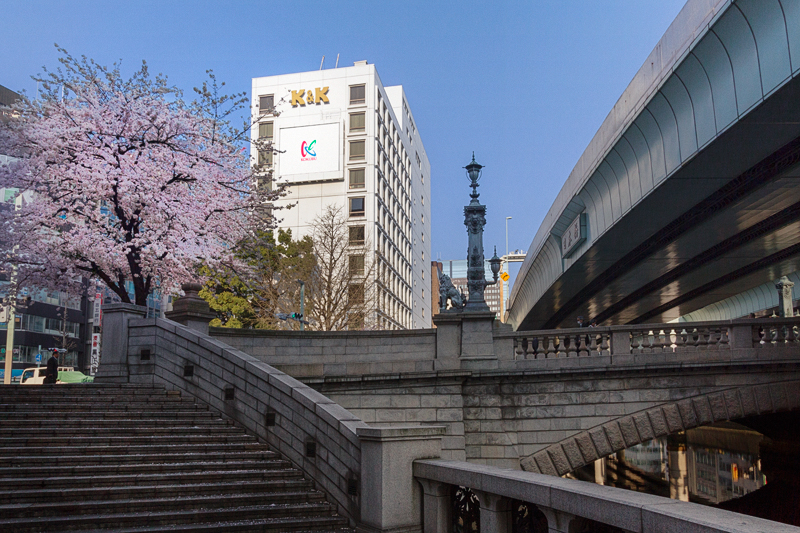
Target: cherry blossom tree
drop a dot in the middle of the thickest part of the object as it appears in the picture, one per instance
(122, 180)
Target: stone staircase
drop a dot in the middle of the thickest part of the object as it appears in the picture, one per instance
(97, 457)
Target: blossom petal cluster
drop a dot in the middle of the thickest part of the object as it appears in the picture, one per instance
(120, 180)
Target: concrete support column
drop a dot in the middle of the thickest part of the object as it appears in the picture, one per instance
(678, 468)
(436, 506)
(114, 356)
(785, 307)
(390, 498)
(600, 471)
(495, 512)
(557, 521)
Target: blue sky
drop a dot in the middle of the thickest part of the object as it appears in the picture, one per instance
(523, 84)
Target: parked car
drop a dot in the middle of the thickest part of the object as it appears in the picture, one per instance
(66, 374)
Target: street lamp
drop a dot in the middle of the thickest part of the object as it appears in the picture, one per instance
(507, 219)
(475, 220)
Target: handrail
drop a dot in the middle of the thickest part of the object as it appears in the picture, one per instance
(562, 500)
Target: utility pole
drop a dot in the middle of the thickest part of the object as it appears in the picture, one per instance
(9, 342)
(302, 304)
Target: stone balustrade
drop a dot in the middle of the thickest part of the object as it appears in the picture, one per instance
(620, 343)
(567, 504)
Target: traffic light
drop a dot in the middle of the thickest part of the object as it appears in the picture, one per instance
(297, 316)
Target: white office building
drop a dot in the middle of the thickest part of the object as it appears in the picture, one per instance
(342, 138)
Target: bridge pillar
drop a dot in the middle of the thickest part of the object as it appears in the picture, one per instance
(495, 512)
(191, 310)
(114, 357)
(464, 341)
(390, 499)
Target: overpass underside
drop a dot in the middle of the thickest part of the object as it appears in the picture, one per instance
(696, 199)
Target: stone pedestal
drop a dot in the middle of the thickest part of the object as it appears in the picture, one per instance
(114, 355)
(191, 310)
(464, 341)
(784, 287)
(390, 498)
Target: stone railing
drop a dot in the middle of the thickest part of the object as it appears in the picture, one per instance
(365, 471)
(621, 341)
(567, 505)
(336, 353)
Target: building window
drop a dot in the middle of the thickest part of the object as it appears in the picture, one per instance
(357, 178)
(357, 94)
(266, 104)
(357, 122)
(419, 162)
(357, 207)
(265, 131)
(265, 157)
(355, 294)
(356, 265)
(357, 149)
(356, 235)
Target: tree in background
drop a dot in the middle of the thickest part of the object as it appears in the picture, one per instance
(265, 284)
(343, 294)
(122, 180)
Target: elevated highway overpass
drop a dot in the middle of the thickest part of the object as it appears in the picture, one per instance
(688, 193)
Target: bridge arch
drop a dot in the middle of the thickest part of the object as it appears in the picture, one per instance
(662, 420)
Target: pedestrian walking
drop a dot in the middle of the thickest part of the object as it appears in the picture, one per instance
(51, 375)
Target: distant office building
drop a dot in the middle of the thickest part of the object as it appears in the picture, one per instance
(341, 138)
(44, 319)
(457, 270)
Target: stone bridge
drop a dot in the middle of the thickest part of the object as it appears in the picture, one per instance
(545, 401)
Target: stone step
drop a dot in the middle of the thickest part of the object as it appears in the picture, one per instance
(103, 449)
(149, 505)
(130, 469)
(169, 478)
(119, 430)
(75, 407)
(137, 440)
(116, 415)
(78, 423)
(186, 490)
(89, 460)
(116, 521)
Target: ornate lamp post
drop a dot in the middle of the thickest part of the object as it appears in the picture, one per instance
(475, 220)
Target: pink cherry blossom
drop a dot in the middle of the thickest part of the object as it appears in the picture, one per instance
(120, 180)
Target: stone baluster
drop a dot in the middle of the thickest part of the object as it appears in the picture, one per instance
(541, 348)
(519, 351)
(551, 349)
(530, 352)
(436, 506)
(593, 347)
(495, 512)
(780, 337)
(570, 346)
(582, 349)
(604, 347)
(724, 337)
(702, 339)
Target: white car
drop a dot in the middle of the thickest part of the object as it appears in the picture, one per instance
(35, 376)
